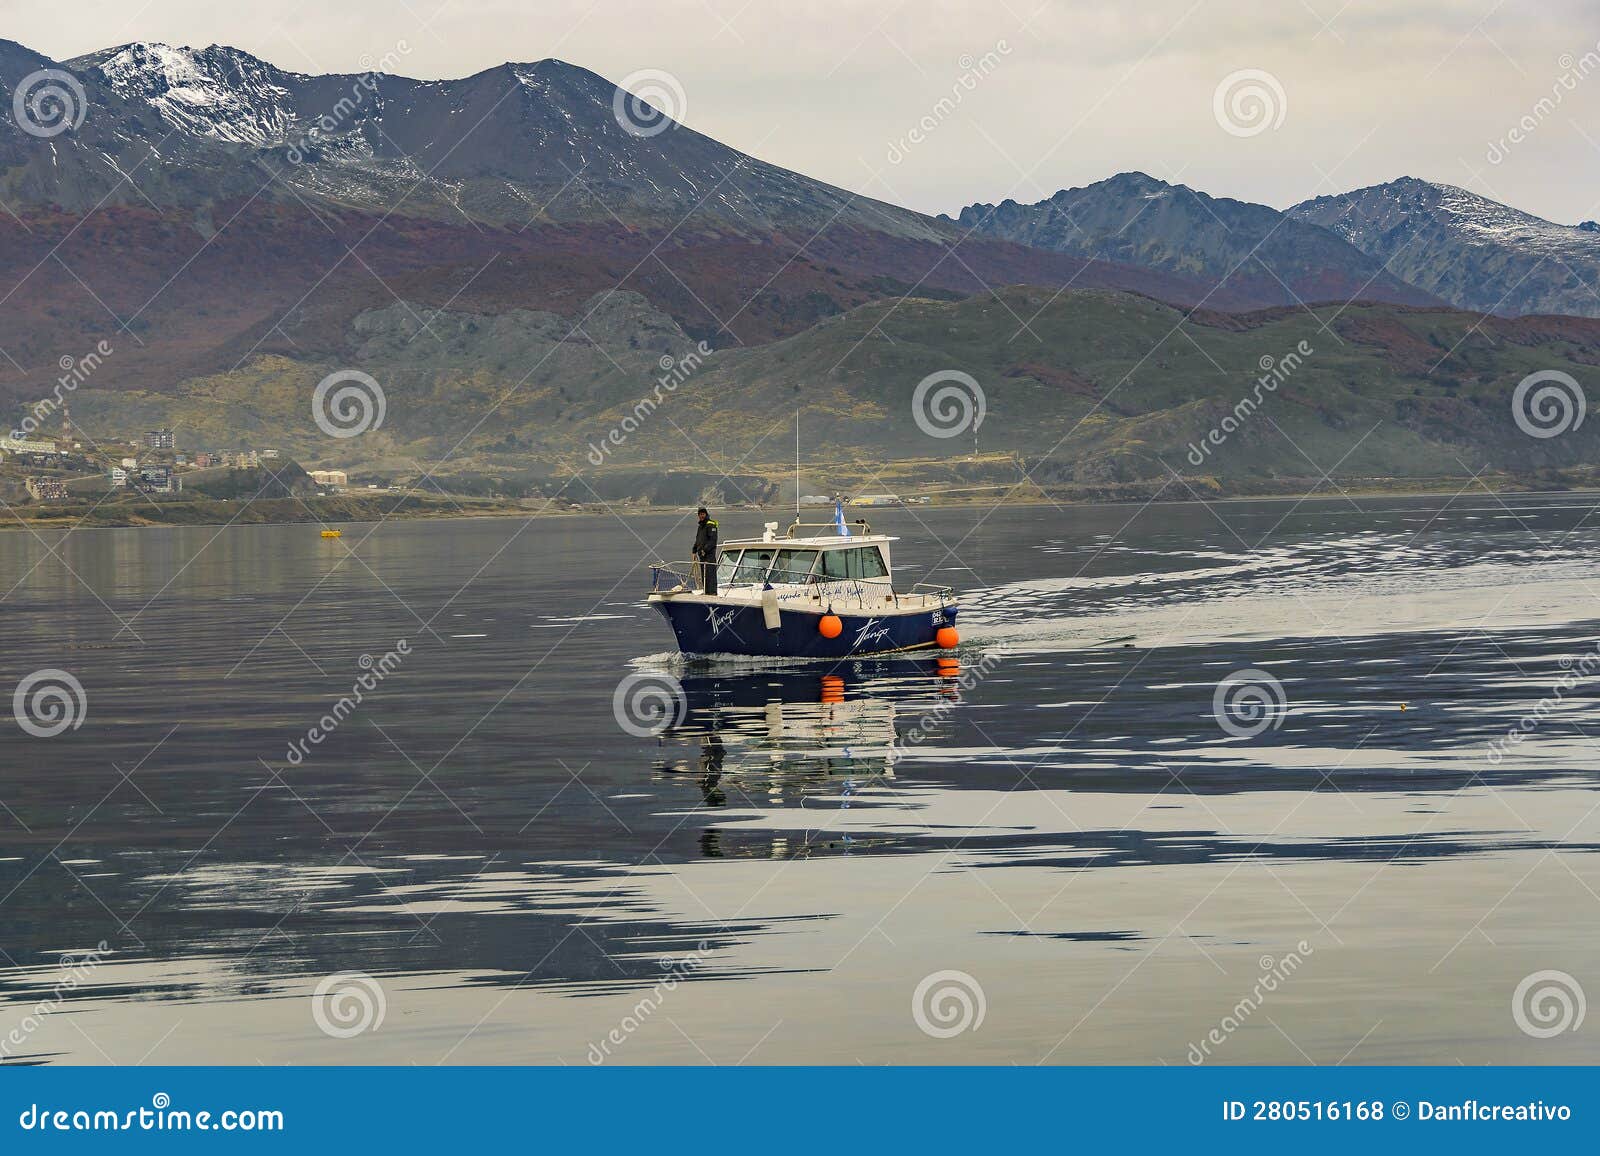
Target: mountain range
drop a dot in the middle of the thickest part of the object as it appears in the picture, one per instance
(1407, 241)
(511, 253)
(217, 203)
(1251, 249)
(512, 144)
(1471, 251)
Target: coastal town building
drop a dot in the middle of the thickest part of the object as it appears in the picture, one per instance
(9, 445)
(156, 480)
(47, 489)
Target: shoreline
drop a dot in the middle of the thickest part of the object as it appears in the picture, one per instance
(412, 508)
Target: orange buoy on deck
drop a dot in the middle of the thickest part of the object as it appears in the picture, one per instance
(947, 638)
(829, 626)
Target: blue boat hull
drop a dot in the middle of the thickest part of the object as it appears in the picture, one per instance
(708, 629)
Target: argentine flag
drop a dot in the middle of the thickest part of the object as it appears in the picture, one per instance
(838, 518)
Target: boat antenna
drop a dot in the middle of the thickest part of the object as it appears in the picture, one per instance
(797, 464)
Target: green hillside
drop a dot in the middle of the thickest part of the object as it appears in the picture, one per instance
(1088, 387)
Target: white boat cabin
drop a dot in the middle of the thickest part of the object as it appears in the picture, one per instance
(825, 571)
(805, 562)
(818, 573)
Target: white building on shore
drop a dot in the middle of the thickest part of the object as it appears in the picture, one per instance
(10, 445)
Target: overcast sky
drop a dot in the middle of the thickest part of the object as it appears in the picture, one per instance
(1056, 94)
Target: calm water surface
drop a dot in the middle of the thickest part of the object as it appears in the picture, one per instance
(1065, 822)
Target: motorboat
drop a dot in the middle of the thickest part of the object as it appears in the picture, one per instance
(805, 593)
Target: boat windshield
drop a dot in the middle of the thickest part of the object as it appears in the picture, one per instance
(726, 565)
(794, 566)
(753, 566)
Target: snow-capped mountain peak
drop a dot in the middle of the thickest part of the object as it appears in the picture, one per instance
(218, 92)
(1474, 252)
(1474, 217)
(1495, 221)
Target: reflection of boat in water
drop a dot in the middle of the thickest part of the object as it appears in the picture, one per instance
(797, 725)
(802, 595)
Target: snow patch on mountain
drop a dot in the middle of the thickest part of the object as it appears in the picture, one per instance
(1502, 224)
(1474, 252)
(1474, 219)
(216, 92)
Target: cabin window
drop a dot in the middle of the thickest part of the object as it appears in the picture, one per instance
(726, 566)
(794, 566)
(870, 561)
(856, 562)
(753, 566)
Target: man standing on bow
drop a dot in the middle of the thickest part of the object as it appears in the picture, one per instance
(704, 554)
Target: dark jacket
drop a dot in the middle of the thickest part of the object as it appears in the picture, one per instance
(705, 541)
